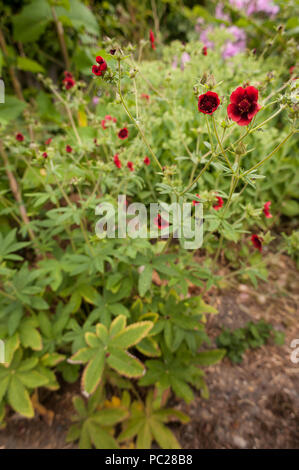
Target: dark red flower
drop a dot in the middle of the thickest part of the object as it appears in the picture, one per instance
(257, 242)
(146, 161)
(205, 50)
(101, 68)
(219, 203)
(107, 118)
(123, 133)
(267, 210)
(68, 148)
(196, 202)
(208, 102)
(291, 69)
(130, 166)
(48, 141)
(117, 161)
(68, 83)
(160, 222)
(20, 137)
(145, 96)
(243, 105)
(45, 155)
(112, 51)
(68, 80)
(152, 39)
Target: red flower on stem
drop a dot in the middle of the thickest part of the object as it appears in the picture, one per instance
(130, 166)
(160, 222)
(205, 50)
(152, 39)
(20, 137)
(48, 141)
(117, 161)
(243, 105)
(101, 68)
(266, 210)
(123, 133)
(208, 102)
(219, 203)
(257, 242)
(68, 148)
(107, 118)
(146, 161)
(45, 155)
(68, 81)
(196, 202)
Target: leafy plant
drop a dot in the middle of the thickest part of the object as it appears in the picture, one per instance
(252, 335)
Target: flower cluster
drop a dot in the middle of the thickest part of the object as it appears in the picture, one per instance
(107, 118)
(68, 80)
(251, 7)
(101, 68)
(242, 108)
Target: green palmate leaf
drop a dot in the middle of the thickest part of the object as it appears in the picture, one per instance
(131, 335)
(145, 280)
(102, 333)
(144, 437)
(92, 340)
(149, 347)
(117, 325)
(100, 437)
(32, 379)
(32, 21)
(124, 363)
(93, 372)
(30, 336)
(208, 358)
(11, 345)
(109, 417)
(11, 109)
(132, 429)
(163, 435)
(81, 356)
(4, 382)
(23, 63)
(19, 399)
(182, 389)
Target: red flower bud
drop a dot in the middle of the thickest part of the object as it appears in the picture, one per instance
(68, 148)
(257, 242)
(117, 161)
(20, 137)
(130, 166)
(266, 210)
(123, 133)
(146, 161)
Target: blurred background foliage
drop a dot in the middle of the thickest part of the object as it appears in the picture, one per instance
(31, 30)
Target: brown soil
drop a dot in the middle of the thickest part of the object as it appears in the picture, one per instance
(252, 405)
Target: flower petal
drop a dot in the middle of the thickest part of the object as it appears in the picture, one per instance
(237, 95)
(252, 93)
(233, 112)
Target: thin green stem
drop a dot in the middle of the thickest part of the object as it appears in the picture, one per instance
(134, 120)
